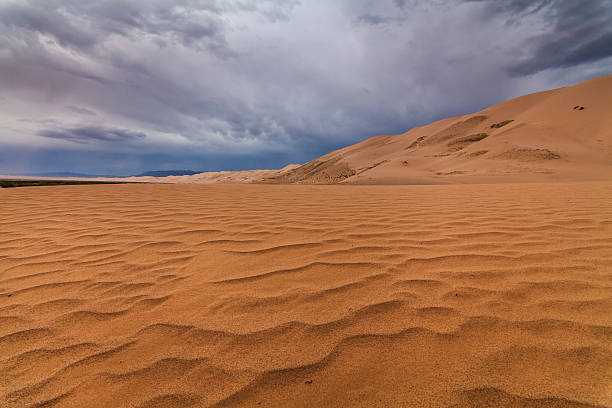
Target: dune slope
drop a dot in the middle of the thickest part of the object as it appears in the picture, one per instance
(265, 295)
(559, 135)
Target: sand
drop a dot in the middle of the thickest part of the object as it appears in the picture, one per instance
(209, 177)
(270, 295)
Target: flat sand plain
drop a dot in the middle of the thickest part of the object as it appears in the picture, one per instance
(272, 295)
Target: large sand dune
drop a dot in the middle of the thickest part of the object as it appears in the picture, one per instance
(559, 135)
(266, 295)
(562, 134)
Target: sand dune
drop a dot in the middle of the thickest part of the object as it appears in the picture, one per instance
(266, 295)
(560, 135)
(211, 177)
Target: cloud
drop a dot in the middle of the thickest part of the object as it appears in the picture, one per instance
(81, 110)
(92, 134)
(24, 17)
(272, 79)
(578, 32)
(84, 25)
(373, 19)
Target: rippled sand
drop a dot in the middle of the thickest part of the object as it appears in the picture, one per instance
(247, 295)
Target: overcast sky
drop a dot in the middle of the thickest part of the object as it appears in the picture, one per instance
(124, 86)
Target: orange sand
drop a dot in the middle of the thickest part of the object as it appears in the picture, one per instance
(268, 295)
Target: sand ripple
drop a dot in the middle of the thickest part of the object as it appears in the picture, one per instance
(247, 295)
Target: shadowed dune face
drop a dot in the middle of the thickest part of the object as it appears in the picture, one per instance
(247, 295)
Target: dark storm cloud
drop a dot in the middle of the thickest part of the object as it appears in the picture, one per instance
(373, 19)
(92, 134)
(561, 53)
(271, 80)
(26, 17)
(581, 32)
(83, 24)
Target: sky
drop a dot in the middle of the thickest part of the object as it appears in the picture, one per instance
(119, 87)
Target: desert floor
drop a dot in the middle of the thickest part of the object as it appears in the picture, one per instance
(272, 295)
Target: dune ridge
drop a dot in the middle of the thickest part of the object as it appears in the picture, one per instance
(272, 295)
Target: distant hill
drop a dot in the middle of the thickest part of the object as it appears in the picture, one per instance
(563, 134)
(65, 174)
(166, 173)
(155, 173)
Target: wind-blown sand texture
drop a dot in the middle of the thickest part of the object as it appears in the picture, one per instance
(268, 295)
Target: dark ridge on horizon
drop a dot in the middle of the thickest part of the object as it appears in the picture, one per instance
(6, 183)
(152, 173)
(63, 174)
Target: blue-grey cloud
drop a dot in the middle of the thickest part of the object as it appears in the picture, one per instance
(373, 19)
(84, 25)
(81, 110)
(92, 134)
(580, 32)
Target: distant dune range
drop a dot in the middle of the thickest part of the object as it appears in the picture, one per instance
(132, 295)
